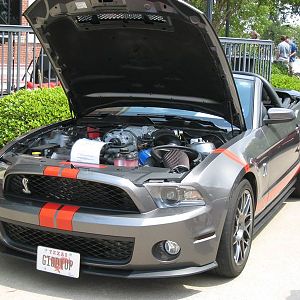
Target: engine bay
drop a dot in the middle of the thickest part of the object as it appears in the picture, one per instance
(126, 145)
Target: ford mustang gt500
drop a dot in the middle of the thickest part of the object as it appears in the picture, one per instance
(170, 162)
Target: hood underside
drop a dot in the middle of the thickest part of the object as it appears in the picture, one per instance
(136, 52)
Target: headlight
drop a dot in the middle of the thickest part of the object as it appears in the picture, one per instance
(172, 195)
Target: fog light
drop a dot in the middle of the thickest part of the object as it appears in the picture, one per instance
(171, 247)
(166, 250)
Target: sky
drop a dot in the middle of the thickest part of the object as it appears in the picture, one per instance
(293, 19)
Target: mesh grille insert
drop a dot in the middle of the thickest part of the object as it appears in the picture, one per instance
(115, 250)
(72, 192)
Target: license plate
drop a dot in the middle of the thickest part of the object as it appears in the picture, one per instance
(57, 261)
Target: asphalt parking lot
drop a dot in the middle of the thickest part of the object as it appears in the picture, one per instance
(272, 272)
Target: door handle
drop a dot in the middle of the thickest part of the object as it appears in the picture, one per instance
(265, 170)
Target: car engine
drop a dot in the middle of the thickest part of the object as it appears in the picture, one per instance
(125, 146)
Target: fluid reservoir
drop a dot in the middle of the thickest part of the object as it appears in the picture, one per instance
(126, 159)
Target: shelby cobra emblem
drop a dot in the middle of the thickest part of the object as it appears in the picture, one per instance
(25, 184)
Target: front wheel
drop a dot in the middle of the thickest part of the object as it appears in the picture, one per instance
(237, 232)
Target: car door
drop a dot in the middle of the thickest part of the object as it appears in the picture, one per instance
(249, 90)
(283, 153)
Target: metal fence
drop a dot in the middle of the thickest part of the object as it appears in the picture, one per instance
(24, 64)
(249, 55)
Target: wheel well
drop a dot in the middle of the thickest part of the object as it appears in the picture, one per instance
(251, 178)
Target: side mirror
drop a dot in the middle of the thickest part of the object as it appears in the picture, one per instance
(278, 115)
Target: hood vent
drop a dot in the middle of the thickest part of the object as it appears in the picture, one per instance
(96, 19)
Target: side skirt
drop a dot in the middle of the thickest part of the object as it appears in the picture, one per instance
(268, 213)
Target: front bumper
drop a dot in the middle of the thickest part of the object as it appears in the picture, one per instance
(192, 228)
(120, 273)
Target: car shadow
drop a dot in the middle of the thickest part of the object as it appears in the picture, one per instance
(294, 295)
(17, 275)
(292, 199)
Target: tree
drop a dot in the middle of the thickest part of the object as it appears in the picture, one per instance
(247, 15)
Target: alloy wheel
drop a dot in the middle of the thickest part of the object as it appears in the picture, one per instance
(243, 227)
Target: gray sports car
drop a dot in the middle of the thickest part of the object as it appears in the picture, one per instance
(170, 163)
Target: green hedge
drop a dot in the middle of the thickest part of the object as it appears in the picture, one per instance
(279, 69)
(26, 109)
(281, 79)
(286, 82)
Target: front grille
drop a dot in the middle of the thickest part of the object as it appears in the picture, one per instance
(113, 250)
(71, 191)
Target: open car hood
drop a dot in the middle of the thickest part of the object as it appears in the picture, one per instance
(136, 52)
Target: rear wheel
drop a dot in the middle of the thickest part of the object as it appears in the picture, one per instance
(237, 233)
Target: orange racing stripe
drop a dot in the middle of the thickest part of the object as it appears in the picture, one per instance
(49, 211)
(47, 214)
(69, 173)
(65, 217)
(61, 172)
(51, 171)
(233, 157)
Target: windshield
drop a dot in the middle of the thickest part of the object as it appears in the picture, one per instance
(245, 89)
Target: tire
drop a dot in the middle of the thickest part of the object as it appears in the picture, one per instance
(296, 192)
(237, 235)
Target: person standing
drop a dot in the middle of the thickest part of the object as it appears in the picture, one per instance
(284, 50)
(293, 54)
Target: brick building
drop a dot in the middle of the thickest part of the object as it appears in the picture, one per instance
(24, 4)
